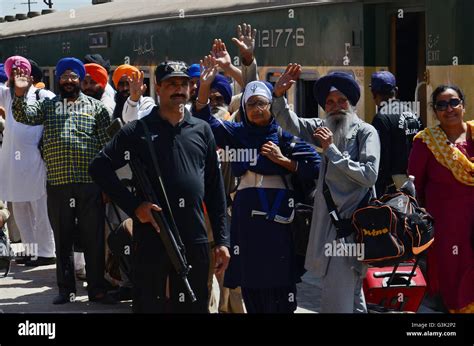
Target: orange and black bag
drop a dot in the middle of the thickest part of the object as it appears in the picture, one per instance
(392, 229)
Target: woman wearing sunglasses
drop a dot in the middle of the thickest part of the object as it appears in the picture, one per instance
(262, 255)
(442, 161)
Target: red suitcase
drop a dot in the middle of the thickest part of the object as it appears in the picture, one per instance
(398, 288)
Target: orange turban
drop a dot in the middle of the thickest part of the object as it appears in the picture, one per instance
(98, 74)
(125, 69)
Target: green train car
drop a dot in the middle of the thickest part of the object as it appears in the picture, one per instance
(423, 42)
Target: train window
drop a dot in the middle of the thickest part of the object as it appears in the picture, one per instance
(46, 79)
(146, 80)
(55, 88)
(272, 77)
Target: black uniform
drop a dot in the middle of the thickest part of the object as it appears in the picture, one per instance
(396, 132)
(190, 171)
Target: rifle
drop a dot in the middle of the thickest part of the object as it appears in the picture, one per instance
(169, 233)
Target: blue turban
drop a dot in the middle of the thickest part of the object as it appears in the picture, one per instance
(194, 70)
(3, 75)
(342, 81)
(72, 64)
(222, 85)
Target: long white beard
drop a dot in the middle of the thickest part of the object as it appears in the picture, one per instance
(340, 124)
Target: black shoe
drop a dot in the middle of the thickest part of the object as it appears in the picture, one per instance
(62, 299)
(40, 261)
(103, 298)
(22, 260)
(123, 293)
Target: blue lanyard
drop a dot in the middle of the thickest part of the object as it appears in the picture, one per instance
(276, 205)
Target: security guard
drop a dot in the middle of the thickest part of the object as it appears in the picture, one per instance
(186, 152)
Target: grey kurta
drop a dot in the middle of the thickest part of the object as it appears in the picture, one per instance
(350, 173)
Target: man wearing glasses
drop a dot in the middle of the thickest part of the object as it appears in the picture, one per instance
(74, 132)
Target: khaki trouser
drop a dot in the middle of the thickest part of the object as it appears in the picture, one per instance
(230, 301)
(13, 232)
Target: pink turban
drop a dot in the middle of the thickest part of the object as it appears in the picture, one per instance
(19, 62)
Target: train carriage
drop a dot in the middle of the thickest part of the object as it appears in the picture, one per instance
(423, 42)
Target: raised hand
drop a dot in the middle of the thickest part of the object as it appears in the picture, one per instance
(287, 79)
(22, 81)
(209, 69)
(245, 41)
(220, 53)
(137, 86)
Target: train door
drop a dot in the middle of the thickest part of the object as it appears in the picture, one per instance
(408, 58)
(306, 104)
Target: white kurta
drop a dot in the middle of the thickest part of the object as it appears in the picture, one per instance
(22, 169)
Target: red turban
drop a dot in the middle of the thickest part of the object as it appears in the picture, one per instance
(98, 74)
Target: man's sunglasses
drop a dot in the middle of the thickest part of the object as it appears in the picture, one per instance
(443, 105)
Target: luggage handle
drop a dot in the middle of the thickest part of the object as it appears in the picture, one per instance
(388, 274)
(405, 282)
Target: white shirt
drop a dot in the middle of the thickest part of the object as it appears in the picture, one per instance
(136, 110)
(109, 103)
(22, 169)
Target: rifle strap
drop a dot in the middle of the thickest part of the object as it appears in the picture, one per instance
(158, 173)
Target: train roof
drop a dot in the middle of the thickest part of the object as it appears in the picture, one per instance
(121, 12)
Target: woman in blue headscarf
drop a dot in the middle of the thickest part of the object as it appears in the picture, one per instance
(263, 156)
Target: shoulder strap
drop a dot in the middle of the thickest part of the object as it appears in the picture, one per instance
(280, 139)
(157, 170)
(37, 93)
(332, 208)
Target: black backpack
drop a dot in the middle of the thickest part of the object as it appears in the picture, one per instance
(392, 229)
(303, 192)
(6, 252)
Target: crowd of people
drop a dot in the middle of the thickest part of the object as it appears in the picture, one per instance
(68, 182)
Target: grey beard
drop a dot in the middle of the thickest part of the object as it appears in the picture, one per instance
(220, 112)
(340, 123)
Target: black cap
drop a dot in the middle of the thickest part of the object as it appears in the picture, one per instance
(36, 72)
(168, 69)
(97, 59)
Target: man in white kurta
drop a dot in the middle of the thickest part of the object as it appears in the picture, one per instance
(23, 175)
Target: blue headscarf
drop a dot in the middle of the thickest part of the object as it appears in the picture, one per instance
(72, 64)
